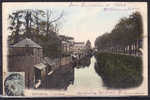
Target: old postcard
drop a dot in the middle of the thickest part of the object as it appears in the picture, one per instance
(68, 49)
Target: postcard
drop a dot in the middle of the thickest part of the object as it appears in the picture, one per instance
(69, 49)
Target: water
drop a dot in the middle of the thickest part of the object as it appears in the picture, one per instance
(81, 77)
(86, 78)
(82, 80)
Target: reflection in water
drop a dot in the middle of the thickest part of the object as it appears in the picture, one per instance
(61, 78)
(86, 78)
(79, 77)
(85, 62)
(83, 79)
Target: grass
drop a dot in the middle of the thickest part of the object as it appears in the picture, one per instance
(119, 71)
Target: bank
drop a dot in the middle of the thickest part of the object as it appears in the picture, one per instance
(119, 71)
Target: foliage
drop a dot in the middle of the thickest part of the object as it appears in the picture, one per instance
(15, 25)
(126, 32)
(42, 26)
(51, 45)
(119, 71)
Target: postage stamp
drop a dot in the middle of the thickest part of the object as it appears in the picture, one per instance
(14, 84)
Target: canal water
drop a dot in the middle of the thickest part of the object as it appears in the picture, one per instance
(80, 80)
(86, 78)
(80, 77)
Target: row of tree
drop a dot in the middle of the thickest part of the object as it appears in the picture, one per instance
(126, 33)
(42, 26)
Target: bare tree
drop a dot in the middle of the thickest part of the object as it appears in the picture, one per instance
(28, 22)
(37, 14)
(51, 19)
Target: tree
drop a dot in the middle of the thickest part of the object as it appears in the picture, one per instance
(51, 19)
(125, 33)
(37, 15)
(40, 26)
(15, 25)
(88, 45)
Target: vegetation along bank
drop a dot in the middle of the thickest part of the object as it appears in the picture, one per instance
(119, 71)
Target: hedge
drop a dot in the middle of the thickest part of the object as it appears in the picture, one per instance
(119, 71)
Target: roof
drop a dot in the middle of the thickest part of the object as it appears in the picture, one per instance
(40, 66)
(78, 42)
(64, 42)
(63, 37)
(27, 42)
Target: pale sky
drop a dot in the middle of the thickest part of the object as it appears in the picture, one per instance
(83, 22)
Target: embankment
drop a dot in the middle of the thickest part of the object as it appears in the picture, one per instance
(119, 71)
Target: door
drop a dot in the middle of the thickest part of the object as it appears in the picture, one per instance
(37, 74)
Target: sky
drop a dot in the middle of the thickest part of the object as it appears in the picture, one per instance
(87, 23)
(81, 21)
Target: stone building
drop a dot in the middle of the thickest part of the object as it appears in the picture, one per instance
(78, 47)
(22, 57)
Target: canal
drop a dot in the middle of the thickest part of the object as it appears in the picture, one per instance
(80, 77)
(86, 78)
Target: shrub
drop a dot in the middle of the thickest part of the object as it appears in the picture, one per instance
(119, 71)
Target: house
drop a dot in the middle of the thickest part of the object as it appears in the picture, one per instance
(27, 56)
(40, 74)
(23, 56)
(66, 44)
(78, 47)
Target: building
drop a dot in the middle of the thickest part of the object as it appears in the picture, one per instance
(22, 57)
(88, 45)
(66, 44)
(88, 49)
(78, 47)
(27, 56)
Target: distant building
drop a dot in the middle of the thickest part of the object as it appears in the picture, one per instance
(78, 47)
(66, 44)
(22, 57)
(88, 45)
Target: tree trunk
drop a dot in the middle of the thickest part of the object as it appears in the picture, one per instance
(130, 50)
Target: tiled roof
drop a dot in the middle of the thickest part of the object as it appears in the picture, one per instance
(27, 42)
